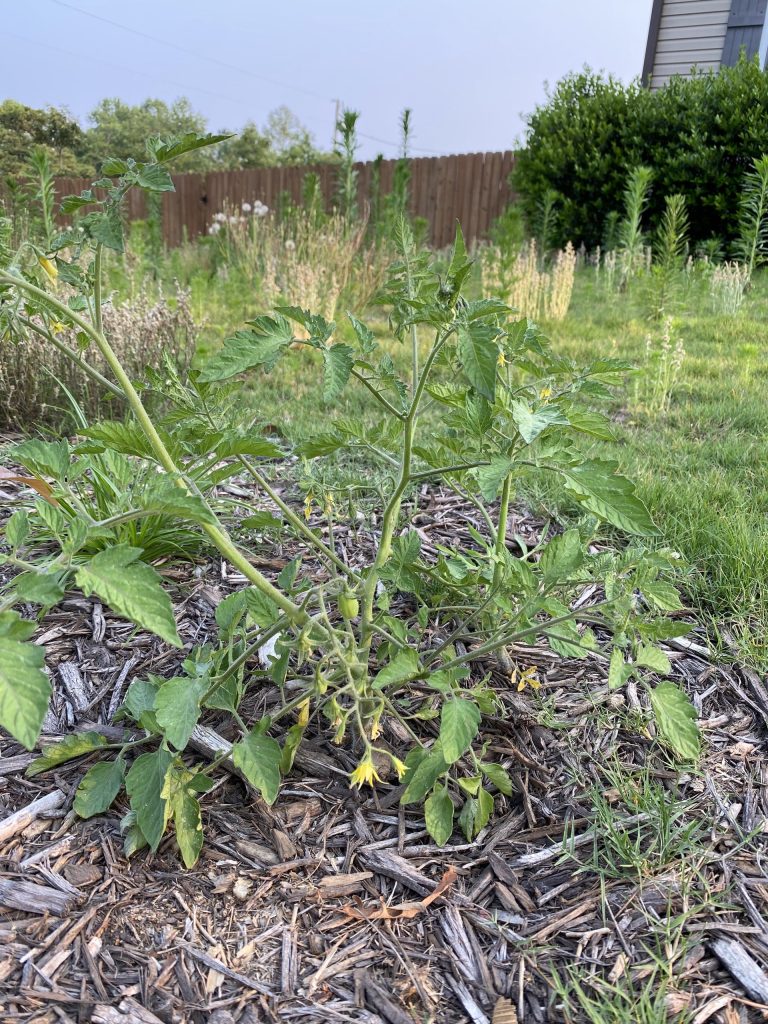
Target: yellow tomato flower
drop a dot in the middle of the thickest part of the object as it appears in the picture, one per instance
(528, 678)
(308, 506)
(49, 267)
(502, 360)
(365, 774)
(399, 767)
(545, 392)
(303, 710)
(57, 327)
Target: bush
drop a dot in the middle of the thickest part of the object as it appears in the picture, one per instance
(699, 135)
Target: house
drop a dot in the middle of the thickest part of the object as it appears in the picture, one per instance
(705, 34)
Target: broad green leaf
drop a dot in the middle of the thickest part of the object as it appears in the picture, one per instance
(662, 595)
(498, 775)
(676, 719)
(131, 588)
(98, 788)
(46, 458)
(600, 489)
(261, 609)
(321, 444)
(562, 556)
(400, 567)
(258, 757)
(24, 689)
(532, 422)
(438, 815)
(262, 521)
(261, 346)
(114, 166)
(144, 784)
(233, 443)
(479, 356)
(653, 658)
(618, 670)
(106, 228)
(66, 750)
(404, 666)
(17, 529)
(39, 588)
(230, 611)
(484, 810)
(154, 178)
(491, 477)
(69, 204)
(177, 708)
(592, 423)
(422, 774)
(459, 723)
(13, 627)
(164, 497)
(140, 697)
(364, 335)
(338, 361)
(133, 838)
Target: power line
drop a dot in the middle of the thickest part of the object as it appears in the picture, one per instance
(225, 64)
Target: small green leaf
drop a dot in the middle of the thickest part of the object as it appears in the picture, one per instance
(662, 596)
(491, 477)
(184, 808)
(479, 356)
(66, 750)
(45, 458)
(338, 361)
(498, 775)
(145, 783)
(39, 588)
(532, 422)
(98, 788)
(133, 838)
(618, 671)
(438, 815)
(140, 697)
(459, 723)
(258, 757)
(169, 147)
(230, 611)
(364, 335)
(676, 719)
(177, 708)
(484, 810)
(17, 529)
(154, 178)
(131, 588)
(261, 346)
(653, 658)
(106, 228)
(24, 689)
(562, 556)
(261, 609)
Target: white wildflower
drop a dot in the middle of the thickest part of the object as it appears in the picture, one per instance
(214, 229)
(290, 245)
(246, 207)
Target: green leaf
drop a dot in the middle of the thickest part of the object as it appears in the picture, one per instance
(177, 708)
(600, 489)
(154, 178)
(39, 588)
(261, 609)
(491, 477)
(459, 723)
(258, 757)
(163, 496)
(364, 335)
(17, 529)
(404, 666)
(133, 838)
(184, 807)
(145, 783)
(484, 810)
(676, 719)
(422, 774)
(438, 815)
(479, 356)
(400, 567)
(618, 670)
(66, 750)
(592, 423)
(140, 697)
(69, 204)
(562, 556)
(230, 611)
(262, 521)
(661, 595)
(45, 458)
(498, 775)
(338, 361)
(653, 658)
(24, 689)
(131, 588)
(106, 228)
(236, 444)
(98, 788)
(261, 346)
(169, 147)
(114, 166)
(532, 422)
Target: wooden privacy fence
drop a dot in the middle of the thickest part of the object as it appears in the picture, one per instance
(472, 188)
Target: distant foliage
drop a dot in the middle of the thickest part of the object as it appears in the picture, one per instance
(700, 136)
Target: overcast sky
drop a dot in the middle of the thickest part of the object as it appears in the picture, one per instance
(469, 70)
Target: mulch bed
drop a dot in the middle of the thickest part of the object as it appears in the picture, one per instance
(258, 930)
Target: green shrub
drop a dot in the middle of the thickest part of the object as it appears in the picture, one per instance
(699, 135)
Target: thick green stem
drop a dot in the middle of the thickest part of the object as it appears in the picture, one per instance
(217, 534)
(76, 358)
(98, 322)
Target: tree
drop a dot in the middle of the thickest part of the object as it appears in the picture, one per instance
(248, 148)
(23, 129)
(120, 130)
(290, 141)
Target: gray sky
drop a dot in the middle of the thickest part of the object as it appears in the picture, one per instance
(468, 70)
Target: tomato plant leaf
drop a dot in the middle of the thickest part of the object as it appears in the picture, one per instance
(66, 750)
(338, 361)
(98, 788)
(145, 783)
(177, 708)
(676, 719)
(24, 689)
(258, 757)
(479, 356)
(600, 489)
(438, 815)
(459, 723)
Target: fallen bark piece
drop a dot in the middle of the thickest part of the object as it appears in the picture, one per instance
(35, 899)
(342, 885)
(127, 1011)
(377, 1000)
(402, 910)
(218, 965)
(24, 817)
(743, 967)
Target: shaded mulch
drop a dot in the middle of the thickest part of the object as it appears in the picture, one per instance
(258, 930)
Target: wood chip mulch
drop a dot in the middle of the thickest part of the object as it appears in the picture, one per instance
(261, 930)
